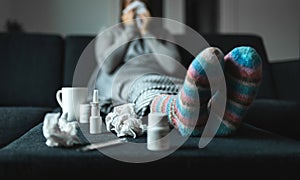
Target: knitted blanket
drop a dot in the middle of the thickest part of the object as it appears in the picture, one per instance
(144, 89)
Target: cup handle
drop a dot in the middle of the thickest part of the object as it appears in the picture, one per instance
(58, 97)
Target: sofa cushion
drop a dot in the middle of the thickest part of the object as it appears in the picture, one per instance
(287, 79)
(279, 116)
(31, 69)
(15, 121)
(250, 151)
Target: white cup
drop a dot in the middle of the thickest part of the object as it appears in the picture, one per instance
(70, 98)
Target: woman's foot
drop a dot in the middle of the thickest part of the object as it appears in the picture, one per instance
(187, 111)
(243, 74)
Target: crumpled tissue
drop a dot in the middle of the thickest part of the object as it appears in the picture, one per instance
(124, 121)
(58, 131)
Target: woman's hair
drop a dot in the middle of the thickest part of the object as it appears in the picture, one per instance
(123, 4)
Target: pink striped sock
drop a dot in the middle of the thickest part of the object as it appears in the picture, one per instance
(185, 110)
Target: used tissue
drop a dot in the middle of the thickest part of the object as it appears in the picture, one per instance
(58, 131)
(124, 121)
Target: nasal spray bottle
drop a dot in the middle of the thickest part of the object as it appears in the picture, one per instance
(95, 118)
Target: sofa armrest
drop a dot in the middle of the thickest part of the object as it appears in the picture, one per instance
(15, 121)
(287, 79)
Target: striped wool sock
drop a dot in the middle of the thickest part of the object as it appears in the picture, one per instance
(185, 111)
(243, 74)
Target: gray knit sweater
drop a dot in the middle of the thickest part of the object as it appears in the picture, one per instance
(124, 56)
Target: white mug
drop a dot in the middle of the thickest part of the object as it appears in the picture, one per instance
(70, 98)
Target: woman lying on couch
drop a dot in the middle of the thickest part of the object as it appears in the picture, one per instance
(136, 72)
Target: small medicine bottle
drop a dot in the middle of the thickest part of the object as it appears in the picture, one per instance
(157, 132)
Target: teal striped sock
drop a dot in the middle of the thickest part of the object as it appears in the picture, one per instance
(243, 74)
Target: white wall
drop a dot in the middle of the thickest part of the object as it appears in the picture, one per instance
(4, 13)
(277, 21)
(75, 16)
(64, 16)
(174, 10)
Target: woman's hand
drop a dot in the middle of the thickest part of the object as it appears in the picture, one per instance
(145, 18)
(128, 18)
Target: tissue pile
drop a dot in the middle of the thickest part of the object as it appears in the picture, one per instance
(58, 131)
(124, 121)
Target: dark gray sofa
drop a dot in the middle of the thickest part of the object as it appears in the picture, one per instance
(35, 66)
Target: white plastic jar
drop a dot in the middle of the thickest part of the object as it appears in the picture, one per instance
(157, 132)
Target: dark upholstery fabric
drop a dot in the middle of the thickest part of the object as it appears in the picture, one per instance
(77, 47)
(279, 116)
(251, 150)
(287, 79)
(31, 69)
(15, 121)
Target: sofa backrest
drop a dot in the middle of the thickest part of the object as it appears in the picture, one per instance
(227, 42)
(75, 45)
(31, 69)
(286, 75)
(35, 66)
